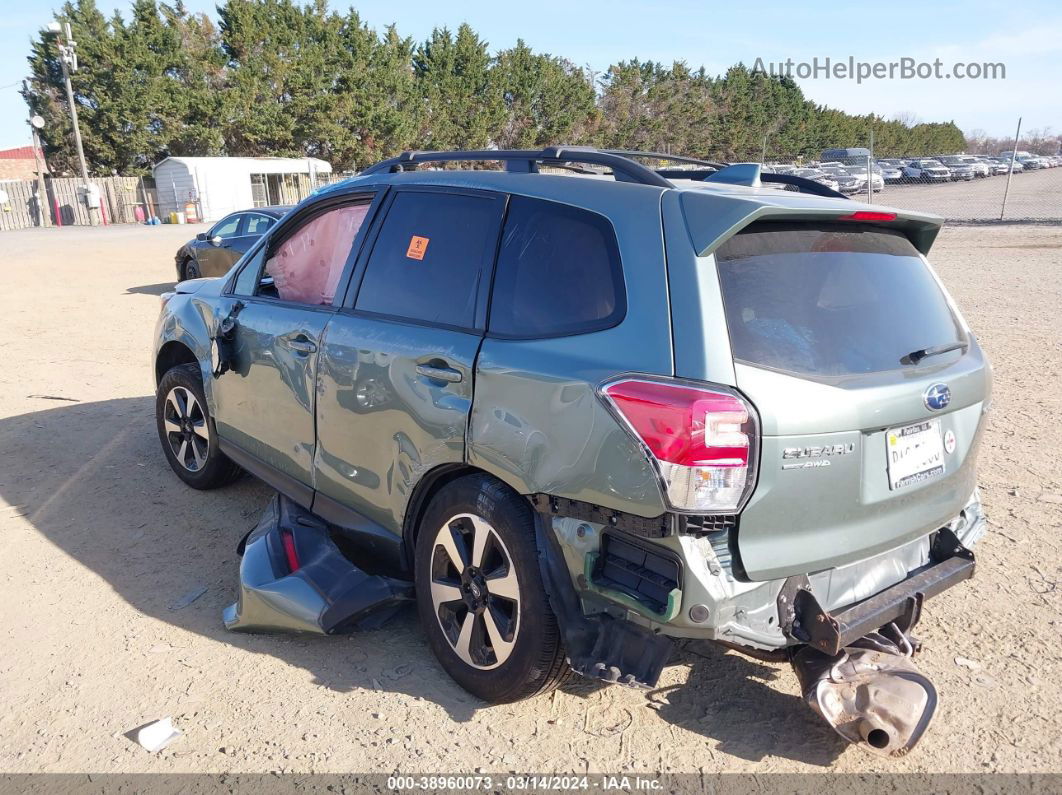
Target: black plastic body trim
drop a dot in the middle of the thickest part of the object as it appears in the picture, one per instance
(655, 527)
(376, 540)
(599, 646)
(295, 490)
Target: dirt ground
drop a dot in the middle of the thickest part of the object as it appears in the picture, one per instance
(1036, 194)
(101, 541)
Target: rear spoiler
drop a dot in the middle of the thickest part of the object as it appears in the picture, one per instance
(713, 218)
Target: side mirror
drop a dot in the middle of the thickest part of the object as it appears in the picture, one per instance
(201, 237)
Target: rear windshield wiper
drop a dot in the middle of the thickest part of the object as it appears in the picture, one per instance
(914, 357)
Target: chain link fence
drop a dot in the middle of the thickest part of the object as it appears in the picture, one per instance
(1006, 186)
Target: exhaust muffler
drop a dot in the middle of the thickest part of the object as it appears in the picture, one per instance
(871, 693)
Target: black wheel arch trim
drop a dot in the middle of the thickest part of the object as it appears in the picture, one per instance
(600, 646)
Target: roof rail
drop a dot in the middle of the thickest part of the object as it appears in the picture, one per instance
(662, 156)
(620, 161)
(800, 184)
(528, 160)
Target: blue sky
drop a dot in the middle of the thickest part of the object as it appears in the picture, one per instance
(1026, 36)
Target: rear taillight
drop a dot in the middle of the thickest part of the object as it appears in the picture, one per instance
(702, 440)
(287, 539)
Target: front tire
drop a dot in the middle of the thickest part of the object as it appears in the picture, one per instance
(480, 594)
(186, 430)
(191, 269)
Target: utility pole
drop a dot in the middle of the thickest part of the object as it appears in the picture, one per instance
(68, 60)
(36, 123)
(870, 170)
(1010, 171)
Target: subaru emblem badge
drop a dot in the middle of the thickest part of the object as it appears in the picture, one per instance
(936, 397)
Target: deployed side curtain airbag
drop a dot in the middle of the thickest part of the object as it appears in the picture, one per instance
(307, 266)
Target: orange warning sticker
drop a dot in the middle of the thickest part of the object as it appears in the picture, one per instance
(417, 246)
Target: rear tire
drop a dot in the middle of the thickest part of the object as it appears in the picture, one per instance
(480, 594)
(186, 430)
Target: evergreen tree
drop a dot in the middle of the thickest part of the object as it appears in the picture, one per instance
(287, 77)
(463, 105)
(547, 100)
(45, 93)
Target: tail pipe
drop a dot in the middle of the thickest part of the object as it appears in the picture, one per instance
(871, 692)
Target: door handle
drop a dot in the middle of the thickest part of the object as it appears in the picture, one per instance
(300, 343)
(447, 374)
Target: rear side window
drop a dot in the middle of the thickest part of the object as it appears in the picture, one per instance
(831, 299)
(433, 252)
(258, 224)
(558, 272)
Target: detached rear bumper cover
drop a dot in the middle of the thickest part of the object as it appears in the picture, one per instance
(327, 594)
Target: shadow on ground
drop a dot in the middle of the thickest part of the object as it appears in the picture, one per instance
(727, 700)
(92, 479)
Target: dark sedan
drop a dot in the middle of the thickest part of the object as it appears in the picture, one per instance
(212, 253)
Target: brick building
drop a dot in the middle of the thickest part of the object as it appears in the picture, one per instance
(18, 163)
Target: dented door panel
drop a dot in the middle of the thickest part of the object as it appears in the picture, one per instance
(382, 420)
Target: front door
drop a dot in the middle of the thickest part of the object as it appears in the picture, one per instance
(221, 248)
(396, 366)
(264, 406)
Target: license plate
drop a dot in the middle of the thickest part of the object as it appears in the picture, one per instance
(916, 453)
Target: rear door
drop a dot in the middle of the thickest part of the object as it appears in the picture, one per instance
(395, 375)
(869, 387)
(253, 227)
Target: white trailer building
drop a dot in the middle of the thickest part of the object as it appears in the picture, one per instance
(221, 185)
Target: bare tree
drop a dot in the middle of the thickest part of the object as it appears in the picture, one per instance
(908, 118)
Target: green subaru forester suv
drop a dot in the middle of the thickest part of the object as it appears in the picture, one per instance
(586, 407)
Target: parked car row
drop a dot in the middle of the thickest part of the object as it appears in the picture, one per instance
(848, 176)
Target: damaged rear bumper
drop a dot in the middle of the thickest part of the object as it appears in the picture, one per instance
(804, 620)
(707, 600)
(310, 588)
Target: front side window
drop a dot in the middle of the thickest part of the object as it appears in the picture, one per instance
(306, 265)
(432, 254)
(558, 272)
(228, 227)
(831, 299)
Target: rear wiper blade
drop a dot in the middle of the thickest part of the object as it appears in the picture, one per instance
(914, 357)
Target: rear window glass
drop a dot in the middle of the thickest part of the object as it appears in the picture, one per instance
(830, 299)
(558, 272)
(431, 256)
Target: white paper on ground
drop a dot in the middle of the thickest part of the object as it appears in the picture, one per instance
(156, 736)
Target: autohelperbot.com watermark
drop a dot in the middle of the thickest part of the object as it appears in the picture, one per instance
(900, 69)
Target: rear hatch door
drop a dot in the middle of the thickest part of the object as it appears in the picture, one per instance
(869, 388)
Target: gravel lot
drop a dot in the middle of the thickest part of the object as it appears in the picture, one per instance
(1035, 195)
(100, 539)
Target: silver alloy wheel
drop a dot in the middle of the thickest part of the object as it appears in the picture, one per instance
(474, 591)
(186, 428)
